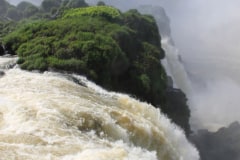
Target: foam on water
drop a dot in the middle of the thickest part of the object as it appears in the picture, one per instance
(48, 117)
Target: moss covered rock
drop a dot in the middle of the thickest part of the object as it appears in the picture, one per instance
(119, 51)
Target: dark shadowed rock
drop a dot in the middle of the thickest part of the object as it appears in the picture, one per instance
(177, 108)
(160, 16)
(221, 145)
(1, 50)
(8, 49)
(2, 73)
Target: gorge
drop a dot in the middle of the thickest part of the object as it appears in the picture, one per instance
(47, 114)
(199, 73)
(51, 116)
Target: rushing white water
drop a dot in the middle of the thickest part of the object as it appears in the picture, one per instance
(49, 117)
(204, 94)
(175, 68)
(7, 62)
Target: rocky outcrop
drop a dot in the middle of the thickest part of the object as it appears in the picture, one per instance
(177, 108)
(7, 49)
(2, 73)
(160, 16)
(176, 101)
(221, 145)
(2, 51)
(136, 70)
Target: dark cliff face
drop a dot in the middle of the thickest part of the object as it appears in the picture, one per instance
(177, 109)
(119, 51)
(221, 145)
(176, 101)
(145, 77)
(1, 50)
(160, 16)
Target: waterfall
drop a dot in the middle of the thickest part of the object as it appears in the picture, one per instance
(204, 94)
(174, 67)
(65, 117)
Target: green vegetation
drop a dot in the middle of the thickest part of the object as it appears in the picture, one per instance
(120, 51)
(6, 28)
(49, 9)
(176, 101)
(94, 11)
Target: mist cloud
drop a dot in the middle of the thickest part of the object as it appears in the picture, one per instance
(207, 34)
(204, 28)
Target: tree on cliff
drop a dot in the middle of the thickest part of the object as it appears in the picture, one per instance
(119, 51)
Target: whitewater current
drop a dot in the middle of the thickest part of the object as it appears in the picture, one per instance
(174, 67)
(53, 116)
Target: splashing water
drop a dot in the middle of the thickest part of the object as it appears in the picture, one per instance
(175, 68)
(47, 116)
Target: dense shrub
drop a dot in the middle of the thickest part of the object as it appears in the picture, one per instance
(6, 28)
(107, 12)
(120, 51)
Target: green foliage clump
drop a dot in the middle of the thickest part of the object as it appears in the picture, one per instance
(133, 18)
(109, 47)
(6, 28)
(120, 51)
(94, 11)
(49, 9)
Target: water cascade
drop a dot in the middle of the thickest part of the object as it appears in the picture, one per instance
(51, 116)
(174, 67)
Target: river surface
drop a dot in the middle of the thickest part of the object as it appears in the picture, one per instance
(53, 116)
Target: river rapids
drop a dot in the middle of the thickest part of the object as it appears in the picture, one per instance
(53, 116)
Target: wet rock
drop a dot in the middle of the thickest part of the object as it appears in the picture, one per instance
(221, 145)
(2, 51)
(2, 73)
(177, 108)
